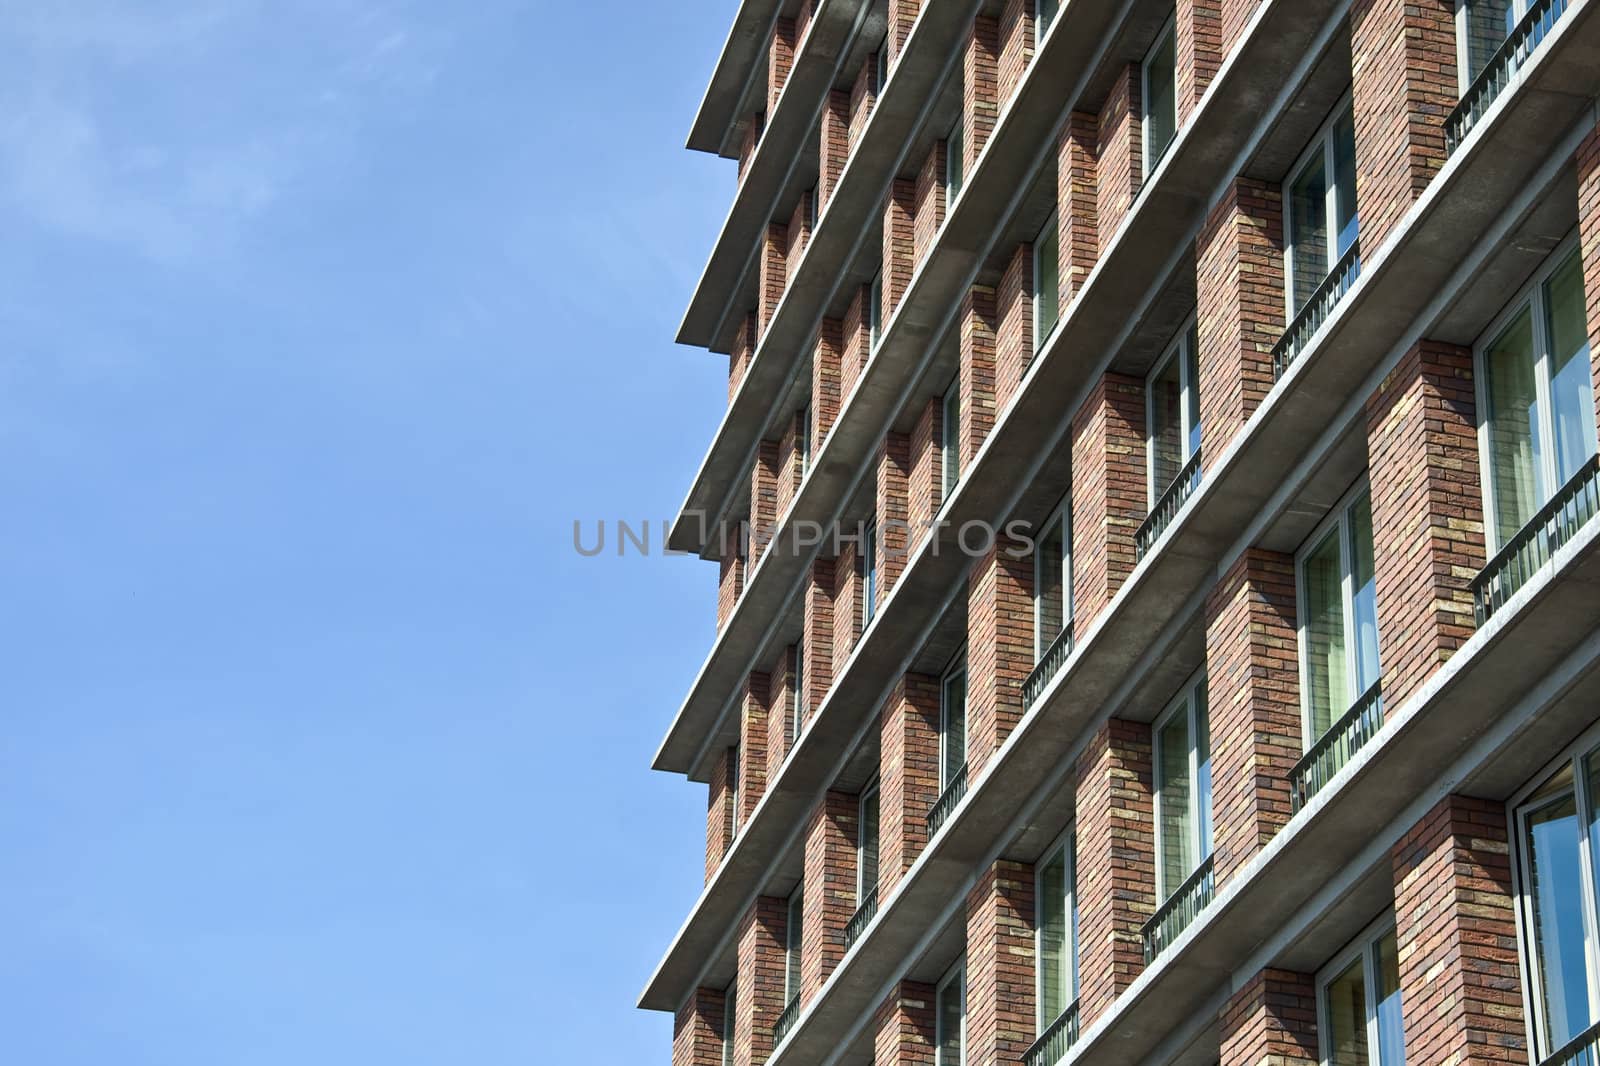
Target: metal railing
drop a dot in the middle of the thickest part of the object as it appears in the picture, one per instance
(1056, 1041)
(786, 1020)
(1315, 311)
(1557, 522)
(947, 801)
(1336, 747)
(1581, 1050)
(1509, 58)
(1167, 507)
(1050, 664)
(862, 917)
(1181, 908)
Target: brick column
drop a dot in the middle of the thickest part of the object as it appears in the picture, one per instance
(980, 88)
(802, 21)
(1272, 1021)
(1000, 983)
(744, 347)
(799, 232)
(846, 601)
(857, 334)
(908, 775)
(1456, 935)
(1198, 42)
(835, 145)
(1116, 862)
(826, 380)
(862, 99)
(780, 59)
(774, 267)
(830, 880)
(730, 577)
(719, 811)
(1120, 152)
(1013, 325)
(697, 1029)
(904, 1027)
(791, 463)
(753, 127)
(926, 483)
(816, 666)
(780, 706)
(894, 531)
(1239, 292)
(1108, 493)
(1403, 84)
(899, 242)
(977, 407)
(763, 498)
(902, 15)
(752, 745)
(1253, 692)
(930, 204)
(1588, 166)
(1078, 223)
(1427, 512)
(1236, 15)
(1016, 46)
(758, 990)
(999, 648)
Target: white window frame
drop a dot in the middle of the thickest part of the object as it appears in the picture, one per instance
(1065, 845)
(1365, 948)
(1183, 703)
(729, 995)
(1051, 227)
(957, 667)
(957, 976)
(1168, 29)
(869, 573)
(1188, 368)
(872, 789)
(875, 313)
(793, 908)
(1060, 520)
(1463, 82)
(797, 717)
(1321, 144)
(950, 441)
(1337, 518)
(1531, 296)
(805, 440)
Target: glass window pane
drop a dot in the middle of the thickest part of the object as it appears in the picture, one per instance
(1175, 858)
(1308, 230)
(1202, 726)
(1344, 177)
(952, 437)
(1166, 427)
(953, 162)
(951, 1009)
(727, 1026)
(869, 842)
(1345, 1001)
(1161, 106)
(1192, 394)
(1047, 283)
(1486, 25)
(792, 936)
(1364, 596)
(1513, 427)
(1571, 376)
(1055, 987)
(1391, 1024)
(1555, 900)
(955, 726)
(1050, 585)
(1327, 689)
(1047, 12)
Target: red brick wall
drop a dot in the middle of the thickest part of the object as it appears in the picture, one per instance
(719, 813)
(816, 666)
(1014, 327)
(1239, 292)
(902, 15)
(1403, 84)
(830, 880)
(1253, 692)
(730, 579)
(899, 242)
(835, 144)
(763, 498)
(780, 59)
(1108, 492)
(903, 1028)
(790, 463)
(780, 705)
(999, 648)
(857, 340)
(930, 202)
(862, 100)
(799, 232)
(1236, 15)
(753, 745)
(774, 267)
(1000, 982)
(1199, 51)
(802, 22)
(977, 408)
(1272, 1021)
(925, 489)
(758, 990)
(1120, 153)
(980, 89)
(1016, 46)
(747, 143)
(1078, 224)
(744, 347)
(894, 532)
(1457, 937)
(827, 369)
(1427, 512)
(697, 1029)
(908, 775)
(1588, 166)
(1116, 869)
(846, 603)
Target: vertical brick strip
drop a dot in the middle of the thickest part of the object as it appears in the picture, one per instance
(857, 334)
(1236, 15)
(697, 1029)
(719, 812)
(1000, 962)
(846, 602)
(780, 60)
(763, 498)
(899, 242)
(748, 141)
(1457, 937)
(1588, 167)
(758, 990)
(1253, 691)
(1108, 492)
(904, 1028)
(1120, 152)
(830, 894)
(926, 484)
(1016, 46)
(902, 14)
(908, 775)
(826, 380)
(1403, 84)
(930, 201)
(1199, 51)
(780, 706)
(1116, 862)
(894, 531)
(799, 233)
(1239, 293)
(1272, 1021)
(980, 89)
(730, 578)
(816, 665)
(744, 347)
(791, 460)
(774, 267)
(999, 648)
(1427, 512)
(977, 408)
(835, 144)
(862, 100)
(1014, 325)
(753, 745)
(1078, 224)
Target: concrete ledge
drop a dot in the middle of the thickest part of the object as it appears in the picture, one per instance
(745, 46)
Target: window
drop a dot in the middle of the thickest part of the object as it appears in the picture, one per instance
(950, 437)
(1338, 614)
(1046, 283)
(1158, 89)
(1172, 412)
(727, 1025)
(791, 946)
(1044, 12)
(867, 844)
(1536, 397)
(950, 1016)
(1056, 930)
(1358, 1003)
(953, 723)
(811, 208)
(805, 440)
(733, 783)
(875, 313)
(1481, 28)
(869, 572)
(797, 708)
(953, 164)
(1052, 580)
(1182, 757)
(1320, 222)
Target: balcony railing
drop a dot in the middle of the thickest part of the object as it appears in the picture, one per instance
(1315, 311)
(1513, 53)
(1050, 664)
(1056, 1041)
(1581, 1050)
(861, 918)
(1336, 747)
(947, 801)
(1168, 506)
(786, 1020)
(1557, 522)
(1180, 909)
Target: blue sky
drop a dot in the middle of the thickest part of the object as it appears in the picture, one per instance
(320, 323)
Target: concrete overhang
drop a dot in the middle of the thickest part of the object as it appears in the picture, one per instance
(743, 53)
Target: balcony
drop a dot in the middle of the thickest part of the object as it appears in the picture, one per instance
(1180, 909)
(1315, 311)
(1050, 664)
(862, 917)
(786, 1020)
(1568, 511)
(1168, 506)
(1056, 1041)
(947, 801)
(1336, 747)
(1581, 1050)
(1510, 57)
